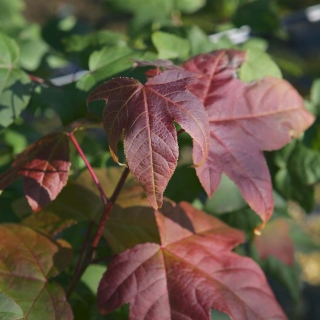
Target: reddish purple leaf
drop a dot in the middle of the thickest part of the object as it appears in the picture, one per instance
(145, 114)
(192, 271)
(44, 167)
(275, 241)
(244, 119)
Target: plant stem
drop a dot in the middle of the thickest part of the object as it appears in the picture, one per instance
(41, 81)
(108, 207)
(90, 169)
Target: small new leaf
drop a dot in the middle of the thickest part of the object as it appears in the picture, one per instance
(145, 115)
(44, 167)
(244, 119)
(192, 271)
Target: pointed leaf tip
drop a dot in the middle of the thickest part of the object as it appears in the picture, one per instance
(244, 120)
(144, 115)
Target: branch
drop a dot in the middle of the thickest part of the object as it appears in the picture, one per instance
(108, 207)
(92, 173)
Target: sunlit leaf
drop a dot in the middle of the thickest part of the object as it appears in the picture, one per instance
(145, 115)
(261, 115)
(192, 271)
(44, 167)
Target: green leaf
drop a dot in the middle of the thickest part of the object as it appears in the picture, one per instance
(108, 62)
(227, 198)
(92, 276)
(217, 315)
(189, 6)
(32, 47)
(315, 93)
(199, 41)
(146, 11)
(289, 277)
(27, 261)
(77, 43)
(9, 310)
(14, 83)
(258, 64)
(170, 46)
(260, 15)
(299, 170)
(67, 101)
(11, 14)
(184, 185)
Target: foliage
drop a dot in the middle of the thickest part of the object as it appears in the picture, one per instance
(95, 224)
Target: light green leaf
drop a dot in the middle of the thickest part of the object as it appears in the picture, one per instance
(14, 83)
(107, 62)
(32, 47)
(9, 310)
(189, 6)
(258, 64)
(315, 93)
(92, 276)
(199, 41)
(170, 46)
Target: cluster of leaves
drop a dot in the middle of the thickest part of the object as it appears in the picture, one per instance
(73, 237)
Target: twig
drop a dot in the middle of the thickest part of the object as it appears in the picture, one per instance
(108, 207)
(90, 169)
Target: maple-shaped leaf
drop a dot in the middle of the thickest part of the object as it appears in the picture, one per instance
(275, 241)
(145, 115)
(244, 119)
(28, 261)
(192, 271)
(44, 167)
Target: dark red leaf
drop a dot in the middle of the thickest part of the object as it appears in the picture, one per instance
(145, 114)
(44, 167)
(275, 241)
(192, 271)
(244, 119)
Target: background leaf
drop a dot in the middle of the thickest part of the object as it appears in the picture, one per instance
(44, 167)
(33, 260)
(14, 83)
(9, 310)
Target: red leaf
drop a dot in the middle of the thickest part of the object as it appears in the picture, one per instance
(244, 119)
(44, 167)
(191, 272)
(275, 241)
(145, 113)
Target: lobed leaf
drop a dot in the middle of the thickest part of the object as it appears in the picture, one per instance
(27, 261)
(244, 119)
(44, 167)
(145, 115)
(190, 272)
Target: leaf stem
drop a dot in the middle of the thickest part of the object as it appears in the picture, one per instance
(90, 169)
(41, 81)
